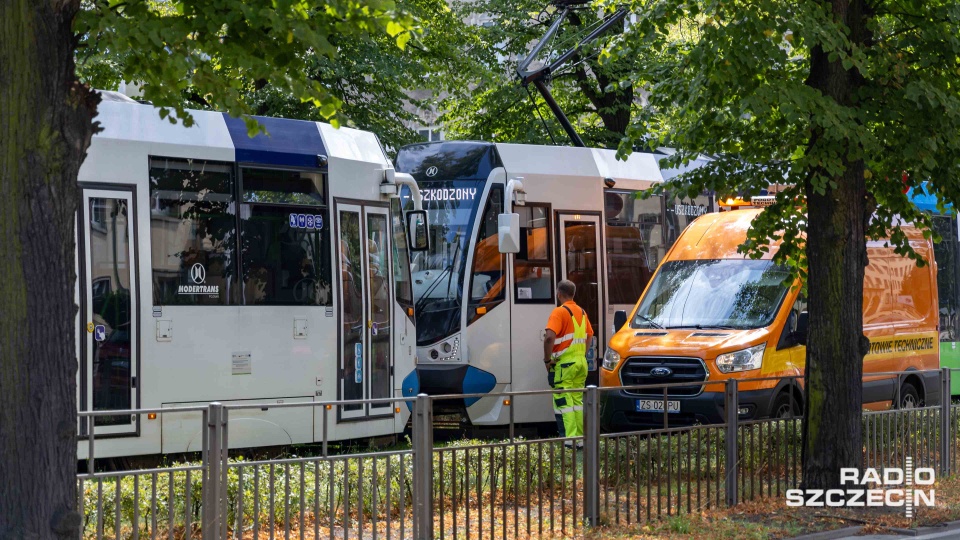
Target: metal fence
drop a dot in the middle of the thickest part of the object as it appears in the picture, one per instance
(512, 488)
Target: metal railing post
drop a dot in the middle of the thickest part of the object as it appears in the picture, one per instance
(591, 456)
(945, 431)
(224, 481)
(731, 407)
(91, 435)
(210, 511)
(423, 468)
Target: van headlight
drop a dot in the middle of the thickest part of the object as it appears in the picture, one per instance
(744, 360)
(610, 359)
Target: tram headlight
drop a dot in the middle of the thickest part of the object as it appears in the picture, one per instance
(446, 351)
(610, 359)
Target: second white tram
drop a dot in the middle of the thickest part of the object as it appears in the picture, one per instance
(217, 267)
(480, 313)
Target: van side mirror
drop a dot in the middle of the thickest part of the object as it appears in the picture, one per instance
(800, 334)
(417, 237)
(508, 233)
(619, 319)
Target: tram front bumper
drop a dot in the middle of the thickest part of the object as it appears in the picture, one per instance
(444, 380)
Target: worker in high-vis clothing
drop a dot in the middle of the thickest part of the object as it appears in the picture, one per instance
(564, 353)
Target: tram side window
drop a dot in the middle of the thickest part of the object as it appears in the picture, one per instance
(634, 244)
(283, 187)
(533, 265)
(401, 257)
(947, 255)
(489, 265)
(192, 231)
(680, 212)
(285, 240)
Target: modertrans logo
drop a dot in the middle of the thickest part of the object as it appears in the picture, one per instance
(888, 487)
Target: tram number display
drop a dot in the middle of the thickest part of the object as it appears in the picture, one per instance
(448, 194)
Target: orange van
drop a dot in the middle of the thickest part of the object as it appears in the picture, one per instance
(711, 314)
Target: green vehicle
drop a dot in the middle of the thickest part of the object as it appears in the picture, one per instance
(947, 253)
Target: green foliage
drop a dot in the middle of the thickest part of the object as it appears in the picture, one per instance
(213, 53)
(664, 470)
(461, 469)
(732, 79)
(380, 87)
(679, 524)
(492, 104)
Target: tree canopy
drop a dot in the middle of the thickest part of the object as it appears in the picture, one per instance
(494, 106)
(349, 62)
(736, 85)
(848, 102)
(434, 60)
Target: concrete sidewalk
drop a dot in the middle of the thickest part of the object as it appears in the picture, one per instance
(942, 535)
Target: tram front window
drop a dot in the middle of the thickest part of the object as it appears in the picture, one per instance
(438, 274)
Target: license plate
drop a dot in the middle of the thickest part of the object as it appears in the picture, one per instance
(656, 405)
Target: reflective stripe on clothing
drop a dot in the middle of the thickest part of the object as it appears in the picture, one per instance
(569, 337)
(564, 321)
(570, 370)
(564, 410)
(571, 375)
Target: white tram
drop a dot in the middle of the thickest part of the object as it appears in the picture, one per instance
(481, 313)
(217, 267)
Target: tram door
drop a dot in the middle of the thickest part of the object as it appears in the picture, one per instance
(579, 239)
(108, 308)
(365, 300)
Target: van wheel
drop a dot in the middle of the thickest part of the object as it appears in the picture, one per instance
(785, 406)
(909, 397)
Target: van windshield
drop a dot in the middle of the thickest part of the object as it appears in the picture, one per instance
(725, 293)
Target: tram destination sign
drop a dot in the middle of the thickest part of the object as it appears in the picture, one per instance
(448, 194)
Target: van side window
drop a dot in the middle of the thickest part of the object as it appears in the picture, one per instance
(786, 337)
(533, 266)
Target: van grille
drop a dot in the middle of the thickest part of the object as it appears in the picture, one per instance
(636, 371)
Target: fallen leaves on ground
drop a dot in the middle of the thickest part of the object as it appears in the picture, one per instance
(769, 518)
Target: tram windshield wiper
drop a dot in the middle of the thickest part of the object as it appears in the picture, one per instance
(426, 295)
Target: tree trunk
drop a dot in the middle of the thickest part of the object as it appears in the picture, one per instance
(45, 129)
(836, 254)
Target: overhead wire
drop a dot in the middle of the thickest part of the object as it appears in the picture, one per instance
(536, 108)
